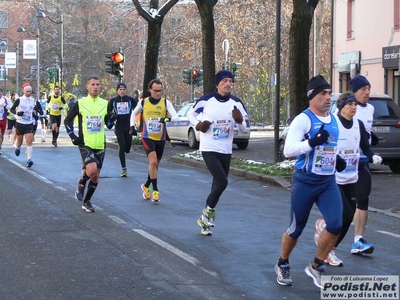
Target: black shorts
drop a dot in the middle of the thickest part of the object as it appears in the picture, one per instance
(152, 145)
(11, 124)
(55, 120)
(23, 128)
(90, 155)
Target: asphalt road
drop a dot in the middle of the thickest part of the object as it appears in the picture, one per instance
(133, 249)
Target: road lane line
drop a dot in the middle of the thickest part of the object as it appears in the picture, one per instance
(116, 219)
(174, 250)
(44, 179)
(389, 233)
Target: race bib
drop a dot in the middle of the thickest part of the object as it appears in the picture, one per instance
(154, 125)
(55, 106)
(94, 124)
(221, 129)
(324, 161)
(122, 108)
(351, 157)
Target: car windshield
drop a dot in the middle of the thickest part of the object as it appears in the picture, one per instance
(384, 110)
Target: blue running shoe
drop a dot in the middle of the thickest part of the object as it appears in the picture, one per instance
(17, 151)
(361, 246)
(29, 163)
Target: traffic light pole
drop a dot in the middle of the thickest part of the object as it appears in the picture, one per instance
(192, 92)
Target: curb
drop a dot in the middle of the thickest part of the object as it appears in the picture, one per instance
(278, 181)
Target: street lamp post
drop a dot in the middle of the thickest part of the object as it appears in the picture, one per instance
(41, 14)
(3, 43)
(22, 29)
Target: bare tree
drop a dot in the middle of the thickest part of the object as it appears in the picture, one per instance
(154, 17)
(208, 42)
(299, 42)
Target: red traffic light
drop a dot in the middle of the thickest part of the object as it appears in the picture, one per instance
(195, 73)
(117, 57)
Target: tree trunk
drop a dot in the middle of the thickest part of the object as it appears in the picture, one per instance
(155, 21)
(208, 43)
(299, 46)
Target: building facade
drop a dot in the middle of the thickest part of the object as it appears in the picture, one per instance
(366, 41)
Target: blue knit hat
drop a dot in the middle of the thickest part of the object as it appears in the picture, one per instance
(358, 82)
(223, 74)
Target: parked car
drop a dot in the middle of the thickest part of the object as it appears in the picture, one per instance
(184, 131)
(386, 125)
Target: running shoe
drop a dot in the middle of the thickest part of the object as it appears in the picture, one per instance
(319, 227)
(88, 207)
(124, 173)
(17, 151)
(156, 197)
(205, 228)
(333, 260)
(361, 246)
(146, 192)
(29, 163)
(283, 274)
(315, 274)
(80, 190)
(209, 214)
(43, 140)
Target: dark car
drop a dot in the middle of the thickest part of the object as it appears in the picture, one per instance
(386, 125)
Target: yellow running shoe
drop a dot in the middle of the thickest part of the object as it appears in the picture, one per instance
(146, 192)
(156, 196)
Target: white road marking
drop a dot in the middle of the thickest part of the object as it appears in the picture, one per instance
(389, 233)
(174, 250)
(116, 219)
(40, 177)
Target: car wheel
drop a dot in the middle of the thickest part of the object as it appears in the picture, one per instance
(193, 142)
(395, 168)
(281, 145)
(242, 145)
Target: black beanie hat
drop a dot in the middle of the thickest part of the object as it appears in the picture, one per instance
(316, 85)
(223, 74)
(121, 85)
(357, 82)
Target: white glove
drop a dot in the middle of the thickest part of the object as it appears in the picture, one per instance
(376, 159)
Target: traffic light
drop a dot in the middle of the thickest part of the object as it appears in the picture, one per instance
(195, 75)
(118, 59)
(110, 64)
(235, 67)
(200, 78)
(50, 72)
(186, 74)
(57, 74)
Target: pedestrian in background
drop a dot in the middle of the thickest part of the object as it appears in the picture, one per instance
(3, 117)
(313, 137)
(156, 111)
(56, 105)
(121, 107)
(352, 138)
(24, 108)
(44, 121)
(92, 115)
(220, 110)
(361, 88)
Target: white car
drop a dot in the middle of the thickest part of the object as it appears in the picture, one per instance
(184, 131)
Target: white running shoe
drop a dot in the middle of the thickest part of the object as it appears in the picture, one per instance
(333, 260)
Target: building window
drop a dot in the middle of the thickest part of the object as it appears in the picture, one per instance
(396, 14)
(350, 19)
(3, 19)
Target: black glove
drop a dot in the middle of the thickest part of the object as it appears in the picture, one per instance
(60, 108)
(237, 115)
(20, 113)
(374, 139)
(47, 112)
(75, 139)
(319, 138)
(203, 126)
(164, 120)
(132, 131)
(340, 163)
(111, 118)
